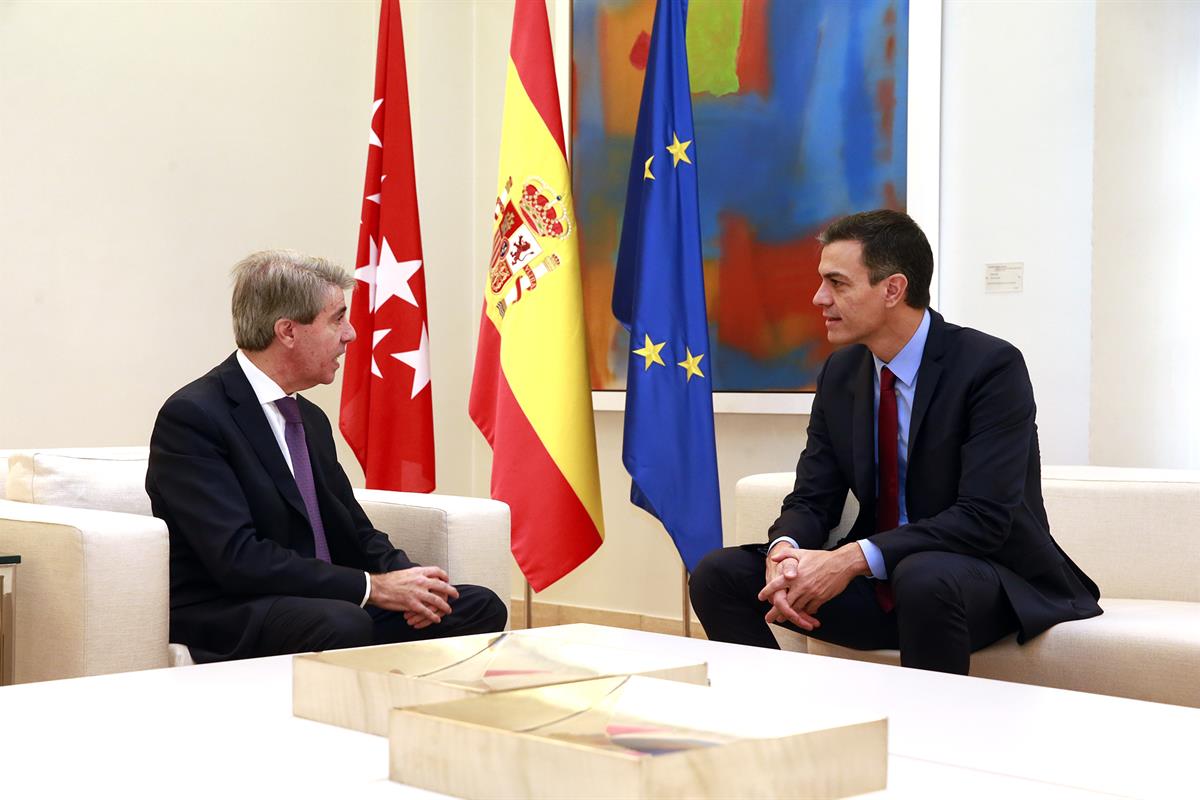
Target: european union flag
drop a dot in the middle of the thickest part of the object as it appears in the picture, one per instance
(670, 449)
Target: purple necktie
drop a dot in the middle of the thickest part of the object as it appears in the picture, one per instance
(293, 432)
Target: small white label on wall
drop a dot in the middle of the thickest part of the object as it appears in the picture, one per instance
(1007, 277)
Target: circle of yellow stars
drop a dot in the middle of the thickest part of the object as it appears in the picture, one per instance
(678, 151)
(651, 350)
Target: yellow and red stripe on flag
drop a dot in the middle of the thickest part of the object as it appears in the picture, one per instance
(530, 396)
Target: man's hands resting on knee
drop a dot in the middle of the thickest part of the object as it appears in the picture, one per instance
(799, 582)
(422, 593)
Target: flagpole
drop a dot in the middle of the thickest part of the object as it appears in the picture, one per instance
(528, 606)
(687, 608)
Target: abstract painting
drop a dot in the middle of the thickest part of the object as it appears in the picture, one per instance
(801, 116)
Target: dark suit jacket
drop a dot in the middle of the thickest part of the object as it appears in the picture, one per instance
(974, 478)
(239, 534)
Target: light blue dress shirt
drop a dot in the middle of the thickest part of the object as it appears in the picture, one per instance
(905, 367)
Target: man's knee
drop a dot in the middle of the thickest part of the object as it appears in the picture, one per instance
(304, 624)
(710, 574)
(731, 575)
(338, 624)
(486, 611)
(495, 614)
(926, 580)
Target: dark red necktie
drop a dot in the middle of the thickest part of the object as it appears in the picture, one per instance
(888, 502)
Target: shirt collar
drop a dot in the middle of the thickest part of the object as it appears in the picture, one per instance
(265, 389)
(906, 363)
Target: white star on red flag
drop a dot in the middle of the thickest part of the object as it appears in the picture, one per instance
(386, 277)
(375, 111)
(419, 360)
(366, 273)
(376, 338)
(392, 277)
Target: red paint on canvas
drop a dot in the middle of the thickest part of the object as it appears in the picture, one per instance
(765, 290)
(640, 53)
(753, 58)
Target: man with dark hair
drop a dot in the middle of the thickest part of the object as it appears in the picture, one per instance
(270, 552)
(932, 427)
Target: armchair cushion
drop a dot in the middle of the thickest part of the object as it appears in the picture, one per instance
(103, 478)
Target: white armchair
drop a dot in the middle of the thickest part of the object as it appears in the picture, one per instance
(1132, 530)
(93, 591)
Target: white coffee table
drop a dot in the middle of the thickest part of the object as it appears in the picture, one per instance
(227, 730)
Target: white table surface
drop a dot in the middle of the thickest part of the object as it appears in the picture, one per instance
(226, 730)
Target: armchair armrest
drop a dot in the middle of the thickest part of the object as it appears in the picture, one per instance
(466, 536)
(91, 592)
(757, 499)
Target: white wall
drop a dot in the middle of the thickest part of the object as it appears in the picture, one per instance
(144, 149)
(441, 80)
(1016, 186)
(1147, 179)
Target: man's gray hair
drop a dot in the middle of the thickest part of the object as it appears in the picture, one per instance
(271, 285)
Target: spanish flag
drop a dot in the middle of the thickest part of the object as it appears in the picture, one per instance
(530, 395)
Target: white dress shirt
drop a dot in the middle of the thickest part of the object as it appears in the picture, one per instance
(267, 391)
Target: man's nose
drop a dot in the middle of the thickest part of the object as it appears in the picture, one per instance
(821, 298)
(349, 335)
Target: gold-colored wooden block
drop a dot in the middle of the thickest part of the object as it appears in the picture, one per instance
(357, 688)
(632, 737)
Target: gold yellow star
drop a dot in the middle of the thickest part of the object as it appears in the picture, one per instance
(692, 365)
(650, 352)
(648, 173)
(679, 150)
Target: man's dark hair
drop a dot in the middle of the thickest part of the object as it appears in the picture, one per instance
(891, 243)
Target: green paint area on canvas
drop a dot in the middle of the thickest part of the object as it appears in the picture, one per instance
(714, 31)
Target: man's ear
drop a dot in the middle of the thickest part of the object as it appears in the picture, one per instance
(285, 331)
(895, 289)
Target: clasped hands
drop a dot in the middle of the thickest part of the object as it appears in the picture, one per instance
(799, 582)
(422, 593)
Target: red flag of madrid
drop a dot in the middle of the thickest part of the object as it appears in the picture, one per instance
(387, 405)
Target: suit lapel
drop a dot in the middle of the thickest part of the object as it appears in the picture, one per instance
(864, 430)
(249, 416)
(927, 377)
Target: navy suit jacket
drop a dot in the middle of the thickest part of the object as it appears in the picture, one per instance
(973, 484)
(240, 536)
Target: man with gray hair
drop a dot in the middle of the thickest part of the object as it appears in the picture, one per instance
(270, 552)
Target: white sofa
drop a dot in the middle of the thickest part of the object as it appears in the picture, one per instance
(92, 587)
(1134, 531)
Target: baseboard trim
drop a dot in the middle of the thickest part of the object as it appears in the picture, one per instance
(545, 614)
